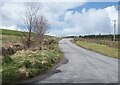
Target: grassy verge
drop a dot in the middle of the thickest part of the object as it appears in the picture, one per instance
(103, 49)
(27, 64)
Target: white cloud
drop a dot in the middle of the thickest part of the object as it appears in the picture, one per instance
(53, 12)
(12, 14)
(44, 0)
(9, 27)
(92, 21)
(112, 12)
(60, 0)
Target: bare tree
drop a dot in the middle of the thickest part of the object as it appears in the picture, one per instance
(41, 25)
(31, 12)
(35, 24)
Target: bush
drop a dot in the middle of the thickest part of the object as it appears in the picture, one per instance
(6, 60)
(9, 74)
(23, 73)
(27, 64)
(33, 72)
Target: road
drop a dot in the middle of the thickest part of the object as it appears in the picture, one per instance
(84, 66)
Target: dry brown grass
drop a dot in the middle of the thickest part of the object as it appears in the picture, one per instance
(9, 39)
(113, 44)
(103, 49)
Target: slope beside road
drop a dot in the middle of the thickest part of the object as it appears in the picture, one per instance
(84, 66)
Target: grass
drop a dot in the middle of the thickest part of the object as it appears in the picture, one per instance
(113, 44)
(9, 36)
(10, 32)
(27, 64)
(14, 32)
(7, 39)
(12, 36)
(103, 49)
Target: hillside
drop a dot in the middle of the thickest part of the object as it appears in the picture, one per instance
(12, 36)
(16, 33)
(10, 32)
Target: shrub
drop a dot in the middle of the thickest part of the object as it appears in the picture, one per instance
(27, 63)
(6, 60)
(23, 73)
(9, 74)
(33, 72)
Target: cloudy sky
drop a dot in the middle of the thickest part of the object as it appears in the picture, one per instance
(66, 17)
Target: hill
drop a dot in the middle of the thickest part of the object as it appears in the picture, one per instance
(10, 32)
(16, 33)
(12, 36)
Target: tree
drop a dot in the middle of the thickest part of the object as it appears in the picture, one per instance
(31, 13)
(40, 25)
(34, 23)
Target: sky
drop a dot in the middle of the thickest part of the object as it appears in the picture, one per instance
(65, 17)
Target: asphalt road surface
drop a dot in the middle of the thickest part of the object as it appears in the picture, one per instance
(84, 66)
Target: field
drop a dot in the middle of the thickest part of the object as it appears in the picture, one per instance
(113, 44)
(9, 39)
(105, 49)
(26, 64)
(9, 36)
(10, 32)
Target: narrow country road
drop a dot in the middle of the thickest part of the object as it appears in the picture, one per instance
(84, 66)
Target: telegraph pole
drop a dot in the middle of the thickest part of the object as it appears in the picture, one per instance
(114, 29)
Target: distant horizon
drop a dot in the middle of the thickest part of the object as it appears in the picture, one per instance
(66, 35)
